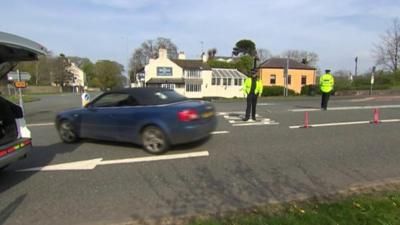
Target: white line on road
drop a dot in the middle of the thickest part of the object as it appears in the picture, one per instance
(347, 108)
(40, 124)
(254, 124)
(92, 163)
(344, 123)
(156, 158)
(220, 132)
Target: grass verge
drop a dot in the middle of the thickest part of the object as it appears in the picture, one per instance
(25, 98)
(382, 208)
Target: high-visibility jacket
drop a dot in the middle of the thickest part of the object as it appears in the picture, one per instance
(247, 86)
(326, 83)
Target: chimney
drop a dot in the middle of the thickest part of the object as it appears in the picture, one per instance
(162, 53)
(181, 55)
(204, 57)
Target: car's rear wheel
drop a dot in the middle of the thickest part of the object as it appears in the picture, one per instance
(67, 132)
(154, 140)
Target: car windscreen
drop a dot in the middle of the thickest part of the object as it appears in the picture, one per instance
(160, 97)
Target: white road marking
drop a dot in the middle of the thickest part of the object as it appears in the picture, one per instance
(227, 113)
(220, 132)
(254, 124)
(40, 124)
(348, 108)
(92, 163)
(264, 103)
(362, 99)
(344, 123)
(266, 120)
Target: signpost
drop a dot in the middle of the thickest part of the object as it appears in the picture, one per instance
(22, 76)
(285, 78)
(85, 99)
(20, 84)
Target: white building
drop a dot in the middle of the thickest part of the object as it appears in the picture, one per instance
(78, 82)
(193, 78)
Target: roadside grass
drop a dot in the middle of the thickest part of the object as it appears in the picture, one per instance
(375, 209)
(25, 98)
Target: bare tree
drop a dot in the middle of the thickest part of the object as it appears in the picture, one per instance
(263, 54)
(386, 52)
(342, 73)
(147, 50)
(305, 57)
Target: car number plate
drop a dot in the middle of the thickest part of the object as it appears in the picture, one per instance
(207, 114)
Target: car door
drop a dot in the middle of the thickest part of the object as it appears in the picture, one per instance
(130, 116)
(99, 120)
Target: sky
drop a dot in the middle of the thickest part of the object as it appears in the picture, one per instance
(337, 30)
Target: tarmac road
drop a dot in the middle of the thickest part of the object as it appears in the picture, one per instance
(246, 165)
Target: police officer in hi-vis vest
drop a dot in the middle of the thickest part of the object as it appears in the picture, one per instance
(252, 88)
(326, 83)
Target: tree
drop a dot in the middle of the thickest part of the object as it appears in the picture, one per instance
(212, 53)
(108, 74)
(387, 51)
(263, 54)
(305, 57)
(89, 69)
(245, 64)
(147, 50)
(61, 74)
(244, 47)
(342, 73)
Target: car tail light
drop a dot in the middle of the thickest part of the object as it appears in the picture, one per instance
(188, 115)
(14, 148)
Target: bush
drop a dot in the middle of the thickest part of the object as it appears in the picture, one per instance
(310, 90)
(276, 91)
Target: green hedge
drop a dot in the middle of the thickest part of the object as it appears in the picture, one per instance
(276, 91)
(383, 81)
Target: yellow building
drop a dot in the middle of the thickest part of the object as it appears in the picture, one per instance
(272, 73)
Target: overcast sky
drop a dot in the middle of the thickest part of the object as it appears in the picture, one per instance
(337, 30)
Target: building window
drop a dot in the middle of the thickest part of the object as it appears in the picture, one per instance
(238, 82)
(213, 81)
(218, 81)
(273, 79)
(289, 79)
(224, 81)
(193, 87)
(303, 80)
(179, 85)
(192, 73)
(164, 71)
(169, 86)
(229, 81)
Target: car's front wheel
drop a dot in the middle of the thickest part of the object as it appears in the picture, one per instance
(67, 132)
(154, 140)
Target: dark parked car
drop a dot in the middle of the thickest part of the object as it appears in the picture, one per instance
(15, 138)
(153, 117)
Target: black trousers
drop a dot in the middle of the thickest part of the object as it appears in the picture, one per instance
(251, 105)
(324, 100)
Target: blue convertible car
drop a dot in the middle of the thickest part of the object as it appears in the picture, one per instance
(153, 117)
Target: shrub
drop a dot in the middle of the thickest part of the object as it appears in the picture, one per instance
(310, 90)
(276, 91)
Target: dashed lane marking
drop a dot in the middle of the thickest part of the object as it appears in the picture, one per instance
(220, 132)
